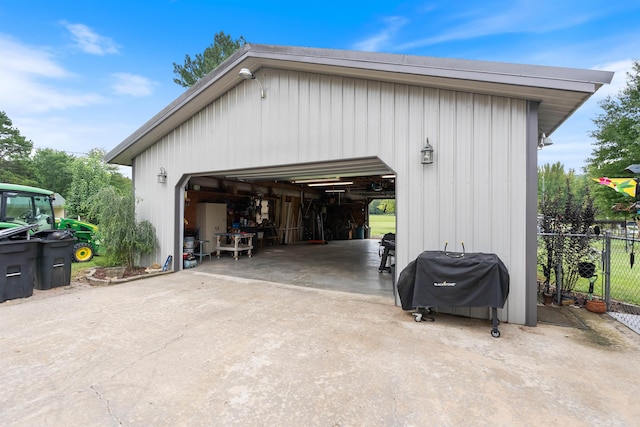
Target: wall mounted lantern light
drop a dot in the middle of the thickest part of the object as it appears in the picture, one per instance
(427, 153)
(246, 74)
(544, 141)
(162, 176)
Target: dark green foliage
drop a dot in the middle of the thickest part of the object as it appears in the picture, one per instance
(15, 149)
(53, 170)
(568, 220)
(195, 69)
(618, 141)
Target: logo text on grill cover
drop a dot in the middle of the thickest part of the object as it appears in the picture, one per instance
(444, 284)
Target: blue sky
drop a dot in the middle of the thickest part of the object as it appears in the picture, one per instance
(79, 75)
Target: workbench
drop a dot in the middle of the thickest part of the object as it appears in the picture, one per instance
(234, 242)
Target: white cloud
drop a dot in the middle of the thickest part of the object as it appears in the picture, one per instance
(89, 41)
(572, 141)
(378, 41)
(62, 108)
(513, 17)
(20, 58)
(30, 81)
(621, 68)
(131, 84)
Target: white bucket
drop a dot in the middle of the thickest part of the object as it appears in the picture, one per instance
(189, 244)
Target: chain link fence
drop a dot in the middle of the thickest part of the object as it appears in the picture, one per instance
(607, 268)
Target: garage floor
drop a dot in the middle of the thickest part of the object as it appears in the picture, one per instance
(343, 265)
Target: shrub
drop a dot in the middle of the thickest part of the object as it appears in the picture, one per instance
(124, 239)
(568, 222)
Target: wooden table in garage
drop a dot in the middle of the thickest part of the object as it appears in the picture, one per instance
(234, 242)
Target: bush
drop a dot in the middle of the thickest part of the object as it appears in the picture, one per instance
(568, 221)
(124, 240)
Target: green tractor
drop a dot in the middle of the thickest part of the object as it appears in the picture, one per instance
(21, 205)
(87, 245)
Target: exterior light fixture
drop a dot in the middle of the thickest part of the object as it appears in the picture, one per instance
(162, 176)
(427, 153)
(246, 74)
(544, 141)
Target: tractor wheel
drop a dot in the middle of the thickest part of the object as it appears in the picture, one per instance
(82, 252)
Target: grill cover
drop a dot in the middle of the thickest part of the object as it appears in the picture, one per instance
(440, 279)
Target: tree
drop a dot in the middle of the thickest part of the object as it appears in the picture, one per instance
(194, 69)
(53, 170)
(15, 149)
(552, 180)
(90, 175)
(617, 139)
(124, 240)
(382, 206)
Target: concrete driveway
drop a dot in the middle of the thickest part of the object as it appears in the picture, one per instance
(194, 348)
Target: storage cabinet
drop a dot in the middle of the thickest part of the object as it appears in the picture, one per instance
(211, 218)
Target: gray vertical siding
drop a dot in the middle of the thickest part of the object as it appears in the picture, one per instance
(473, 193)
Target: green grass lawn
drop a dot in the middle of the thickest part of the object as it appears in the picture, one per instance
(381, 225)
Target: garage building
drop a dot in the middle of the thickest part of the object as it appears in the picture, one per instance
(271, 120)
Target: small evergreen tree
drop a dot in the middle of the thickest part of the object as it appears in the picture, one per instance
(194, 69)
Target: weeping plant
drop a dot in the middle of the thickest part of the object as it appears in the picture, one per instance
(124, 240)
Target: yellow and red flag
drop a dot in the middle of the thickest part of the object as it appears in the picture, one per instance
(626, 186)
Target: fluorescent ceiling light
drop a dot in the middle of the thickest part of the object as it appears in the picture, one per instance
(388, 176)
(325, 184)
(334, 191)
(306, 181)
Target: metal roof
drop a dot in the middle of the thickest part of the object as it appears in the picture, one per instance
(560, 91)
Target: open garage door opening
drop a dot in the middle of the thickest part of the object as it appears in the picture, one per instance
(305, 225)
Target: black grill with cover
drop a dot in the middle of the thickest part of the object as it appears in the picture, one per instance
(454, 279)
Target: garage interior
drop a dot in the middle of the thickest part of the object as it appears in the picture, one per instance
(310, 224)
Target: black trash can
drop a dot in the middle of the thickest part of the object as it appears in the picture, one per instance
(55, 254)
(17, 268)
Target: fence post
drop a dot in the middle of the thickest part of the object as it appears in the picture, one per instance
(606, 260)
(559, 281)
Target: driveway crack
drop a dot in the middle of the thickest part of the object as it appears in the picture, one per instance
(101, 397)
(144, 356)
